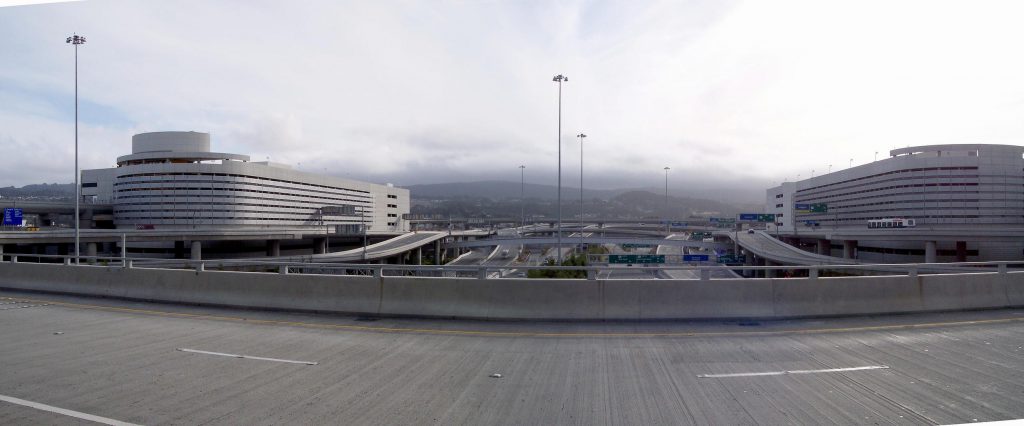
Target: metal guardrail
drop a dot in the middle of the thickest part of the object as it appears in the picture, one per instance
(490, 272)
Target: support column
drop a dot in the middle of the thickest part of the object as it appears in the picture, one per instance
(771, 273)
(90, 251)
(961, 251)
(824, 247)
(273, 248)
(419, 255)
(319, 246)
(197, 250)
(437, 252)
(850, 249)
(929, 252)
(748, 260)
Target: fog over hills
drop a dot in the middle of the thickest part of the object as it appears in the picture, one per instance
(502, 199)
(497, 189)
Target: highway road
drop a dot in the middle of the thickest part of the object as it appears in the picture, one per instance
(68, 357)
(720, 271)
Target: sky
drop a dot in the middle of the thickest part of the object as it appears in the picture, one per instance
(732, 96)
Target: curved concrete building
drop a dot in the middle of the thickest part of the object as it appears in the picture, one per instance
(173, 180)
(961, 194)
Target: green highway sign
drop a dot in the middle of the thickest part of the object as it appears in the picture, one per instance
(636, 258)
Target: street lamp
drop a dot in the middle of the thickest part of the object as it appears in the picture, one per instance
(76, 40)
(666, 201)
(581, 136)
(522, 195)
(558, 248)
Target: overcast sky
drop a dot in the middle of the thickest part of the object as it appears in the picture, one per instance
(728, 94)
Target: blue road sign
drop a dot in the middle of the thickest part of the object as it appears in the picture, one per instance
(12, 216)
(695, 258)
(748, 216)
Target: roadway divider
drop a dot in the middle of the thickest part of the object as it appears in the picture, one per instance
(533, 299)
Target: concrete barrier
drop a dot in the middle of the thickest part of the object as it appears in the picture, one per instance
(531, 298)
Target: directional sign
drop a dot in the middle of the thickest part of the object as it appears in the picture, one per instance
(695, 258)
(12, 216)
(636, 258)
(757, 217)
(728, 258)
(819, 208)
(802, 208)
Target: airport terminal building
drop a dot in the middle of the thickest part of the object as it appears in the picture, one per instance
(172, 180)
(958, 202)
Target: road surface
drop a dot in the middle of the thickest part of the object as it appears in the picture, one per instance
(167, 364)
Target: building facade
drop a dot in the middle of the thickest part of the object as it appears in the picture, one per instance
(172, 180)
(956, 190)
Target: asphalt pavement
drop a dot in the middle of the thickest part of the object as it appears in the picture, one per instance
(66, 357)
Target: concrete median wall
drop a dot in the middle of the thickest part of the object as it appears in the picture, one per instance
(531, 298)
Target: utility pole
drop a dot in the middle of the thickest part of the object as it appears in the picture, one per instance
(558, 248)
(581, 136)
(76, 40)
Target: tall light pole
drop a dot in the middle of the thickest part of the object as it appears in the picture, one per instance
(666, 201)
(76, 40)
(581, 136)
(522, 195)
(558, 248)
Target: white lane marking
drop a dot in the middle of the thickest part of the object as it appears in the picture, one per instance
(782, 373)
(69, 413)
(248, 356)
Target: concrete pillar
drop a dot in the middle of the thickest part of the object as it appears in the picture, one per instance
(849, 249)
(824, 247)
(319, 246)
(961, 251)
(929, 252)
(197, 250)
(419, 255)
(748, 260)
(771, 273)
(90, 251)
(437, 252)
(273, 248)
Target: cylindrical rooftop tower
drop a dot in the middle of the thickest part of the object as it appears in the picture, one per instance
(171, 142)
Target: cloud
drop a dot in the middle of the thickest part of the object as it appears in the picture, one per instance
(727, 94)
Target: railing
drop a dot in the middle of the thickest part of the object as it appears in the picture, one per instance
(703, 273)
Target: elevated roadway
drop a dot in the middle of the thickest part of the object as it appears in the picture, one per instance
(147, 363)
(592, 239)
(765, 246)
(920, 233)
